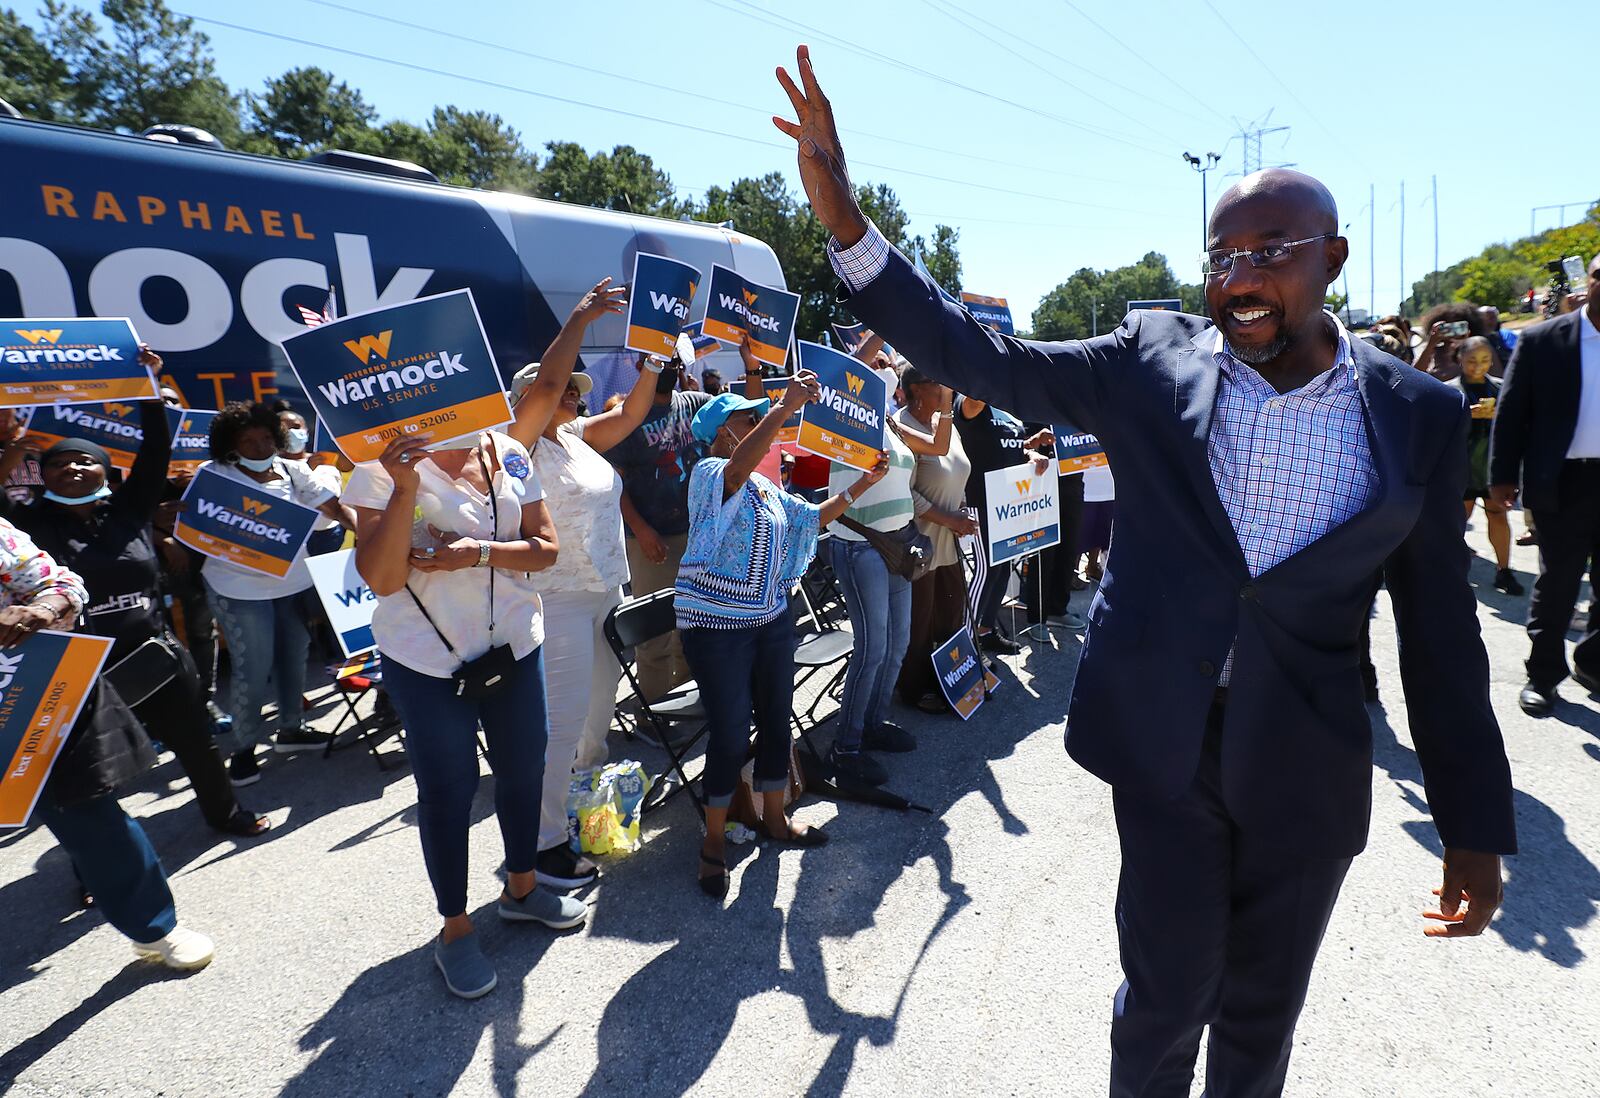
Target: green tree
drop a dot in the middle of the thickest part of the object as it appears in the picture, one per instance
(478, 149)
(943, 256)
(1500, 281)
(1096, 301)
(157, 68)
(623, 179)
(305, 110)
(37, 72)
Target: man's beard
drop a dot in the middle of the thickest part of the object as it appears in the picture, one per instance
(1260, 356)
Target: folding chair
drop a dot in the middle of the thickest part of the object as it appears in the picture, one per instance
(630, 624)
(352, 680)
(826, 642)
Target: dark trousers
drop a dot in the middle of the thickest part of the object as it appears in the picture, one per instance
(1567, 542)
(938, 609)
(1216, 928)
(744, 673)
(199, 624)
(177, 716)
(442, 742)
(115, 863)
(1047, 588)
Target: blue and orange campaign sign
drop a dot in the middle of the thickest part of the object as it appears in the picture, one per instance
(191, 438)
(993, 312)
(961, 673)
(346, 598)
(735, 305)
(789, 433)
(1024, 511)
(421, 367)
(71, 360)
(44, 682)
(849, 335)
(703, 344)
(233, 521)
(1077, 450)
(846, 423)
(659, 298)
(113, 426)
(1158, 304)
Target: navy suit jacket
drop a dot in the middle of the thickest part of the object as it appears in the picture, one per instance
(1177, 595)
(1538, 411)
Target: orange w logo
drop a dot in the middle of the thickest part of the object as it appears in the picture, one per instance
(369, 345)
(121, 411)
(38, 335)
(256, 506)
(855, 383)
(955, 655)
(749, 297)
(1024, 487)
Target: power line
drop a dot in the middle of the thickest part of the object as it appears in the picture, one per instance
(434, 70)
(487, 44)
(957, 17)
(751, 11)
(1143, 60)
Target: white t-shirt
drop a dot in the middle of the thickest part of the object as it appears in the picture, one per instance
(584, 494)
(1098, 485)
(458, 601)
(295, 483)
(327, 476)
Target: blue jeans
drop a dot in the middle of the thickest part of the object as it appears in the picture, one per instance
(744, 673)
(442, 741)
(267, 642)
(115, 862)
(879, 605)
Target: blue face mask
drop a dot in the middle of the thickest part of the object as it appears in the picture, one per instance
(256, 465)
(298, 438)
(98, 494)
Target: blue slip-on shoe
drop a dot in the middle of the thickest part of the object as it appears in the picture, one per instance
(541, 905)
(467, 972)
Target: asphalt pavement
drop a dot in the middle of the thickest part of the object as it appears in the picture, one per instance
(969, 950)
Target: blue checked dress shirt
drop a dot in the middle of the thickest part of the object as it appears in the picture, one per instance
(1288, 467)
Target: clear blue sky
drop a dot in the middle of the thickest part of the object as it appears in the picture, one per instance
(1048, 131)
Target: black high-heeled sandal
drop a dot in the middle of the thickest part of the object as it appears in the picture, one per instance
(809, 839)
(716, 885)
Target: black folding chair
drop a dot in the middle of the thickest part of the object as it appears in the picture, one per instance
(630, 624)
(352, 681)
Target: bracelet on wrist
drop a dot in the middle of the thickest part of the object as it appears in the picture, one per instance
(654, 367)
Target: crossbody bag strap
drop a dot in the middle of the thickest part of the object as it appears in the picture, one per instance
(851, 524)
(494, 528)
(423, 610)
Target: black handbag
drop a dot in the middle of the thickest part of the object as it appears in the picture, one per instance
(487, 674)
(907, 552)
(149, 667)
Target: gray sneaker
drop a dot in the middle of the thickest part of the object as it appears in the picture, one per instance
(467, 972)
(554, 910)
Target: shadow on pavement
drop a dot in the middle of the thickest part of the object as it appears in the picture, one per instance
(1551, 887)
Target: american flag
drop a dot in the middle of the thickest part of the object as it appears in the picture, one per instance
(312, 318)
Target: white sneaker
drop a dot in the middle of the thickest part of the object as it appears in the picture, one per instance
(183, 949)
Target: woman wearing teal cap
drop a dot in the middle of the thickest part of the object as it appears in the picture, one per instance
(749, 543)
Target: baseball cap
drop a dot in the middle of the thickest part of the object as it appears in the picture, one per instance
(524, 378)
(710, 418)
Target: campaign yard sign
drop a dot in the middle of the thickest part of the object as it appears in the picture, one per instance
(43, 684)
(789, 433)
(992, 312)
(233, 521)
(846, 423)
(420, 367)
(1158, 304)
(113, 426)
(735, 305)
(191, 439)
(1024, 511)
(703, 344)
(1077, 450)
(961, 673)
(347, 599)
(71, 360)
(659, 298)
(849, 335)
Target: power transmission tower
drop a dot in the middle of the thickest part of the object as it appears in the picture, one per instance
(1250, 138)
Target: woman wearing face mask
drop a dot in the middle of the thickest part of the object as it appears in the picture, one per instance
(749, 543)
(580, 589)
(327, 535)
(104, 535)
(261, 616)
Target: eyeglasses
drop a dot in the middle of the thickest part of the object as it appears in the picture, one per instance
(1219, 261)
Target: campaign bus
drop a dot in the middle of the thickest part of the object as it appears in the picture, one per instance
(211, 253)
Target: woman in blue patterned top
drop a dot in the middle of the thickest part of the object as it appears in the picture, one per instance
(749, 542)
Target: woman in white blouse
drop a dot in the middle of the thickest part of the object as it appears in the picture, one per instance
(583, 493)
(448, 540)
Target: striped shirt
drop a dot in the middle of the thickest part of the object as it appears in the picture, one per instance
(744, 553)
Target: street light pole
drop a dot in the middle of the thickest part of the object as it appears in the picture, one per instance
(1202, 167)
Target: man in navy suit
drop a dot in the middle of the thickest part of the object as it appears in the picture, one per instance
(1270, 472)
